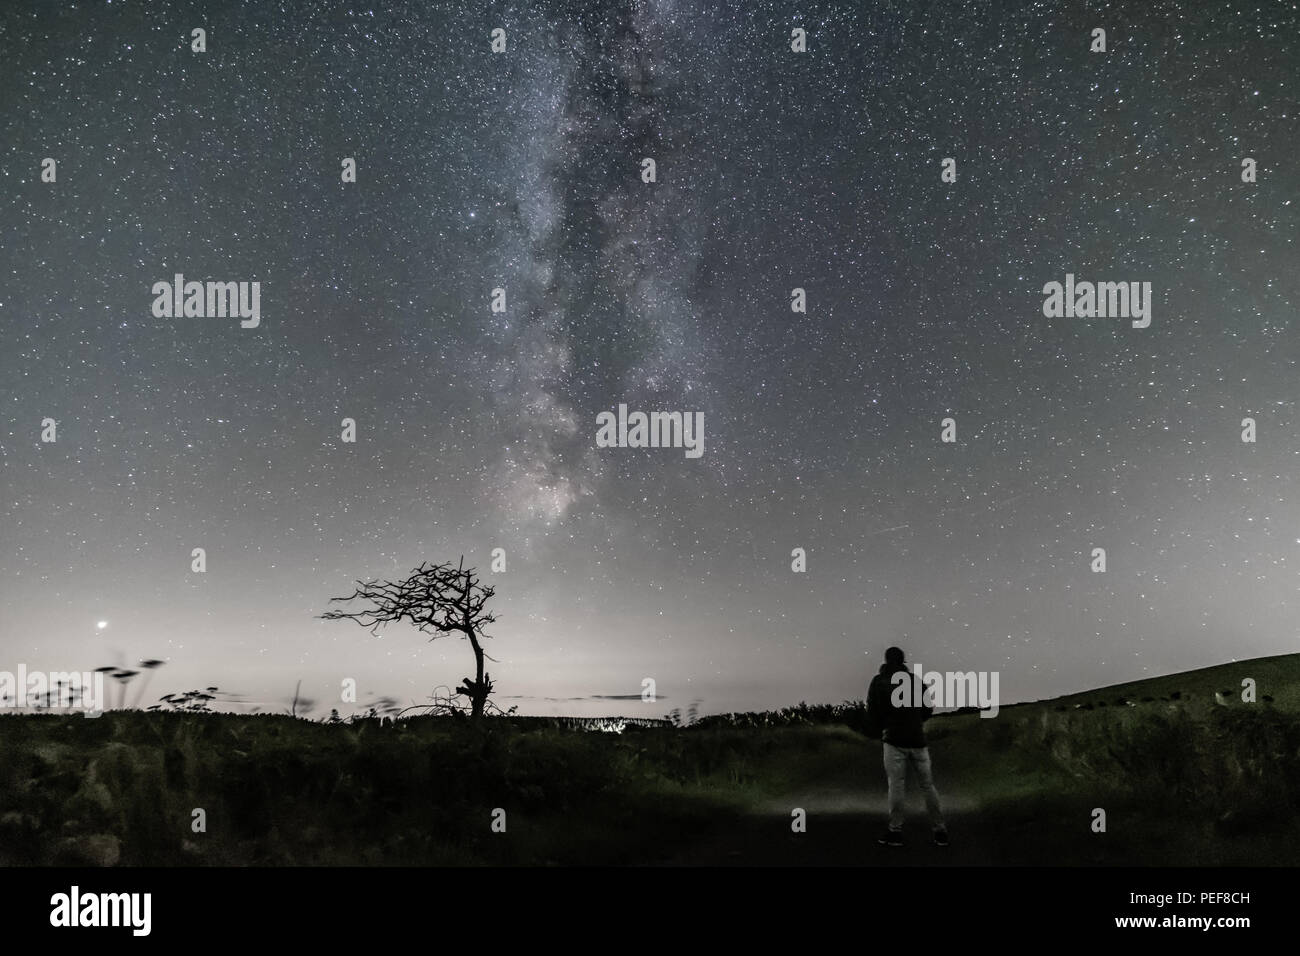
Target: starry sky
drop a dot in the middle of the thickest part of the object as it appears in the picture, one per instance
(476, 430)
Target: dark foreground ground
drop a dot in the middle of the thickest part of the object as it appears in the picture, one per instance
(1182, 781)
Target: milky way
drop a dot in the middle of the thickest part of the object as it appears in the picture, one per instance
(775, 170)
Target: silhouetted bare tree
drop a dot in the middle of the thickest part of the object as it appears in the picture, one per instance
(438, 599)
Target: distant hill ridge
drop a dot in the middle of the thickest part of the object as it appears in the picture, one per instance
(1275, 677)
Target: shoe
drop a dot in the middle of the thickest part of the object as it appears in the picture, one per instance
(891, 838)
(940, 837)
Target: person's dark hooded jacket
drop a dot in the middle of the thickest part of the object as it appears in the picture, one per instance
(899, 726)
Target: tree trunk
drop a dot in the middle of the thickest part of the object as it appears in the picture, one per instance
(479, 698)
(478, 691)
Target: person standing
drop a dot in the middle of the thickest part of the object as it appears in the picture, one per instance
(900, 726)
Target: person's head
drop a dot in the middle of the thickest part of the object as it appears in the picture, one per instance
(894, 657)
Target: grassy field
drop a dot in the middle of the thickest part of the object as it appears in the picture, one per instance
(1183, 780)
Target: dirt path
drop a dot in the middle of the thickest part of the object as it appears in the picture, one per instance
(846, 809)
(842, 828)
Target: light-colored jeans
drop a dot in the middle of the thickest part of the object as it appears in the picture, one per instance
(897, 760)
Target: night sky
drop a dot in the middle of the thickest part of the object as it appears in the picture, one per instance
(476, 430)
